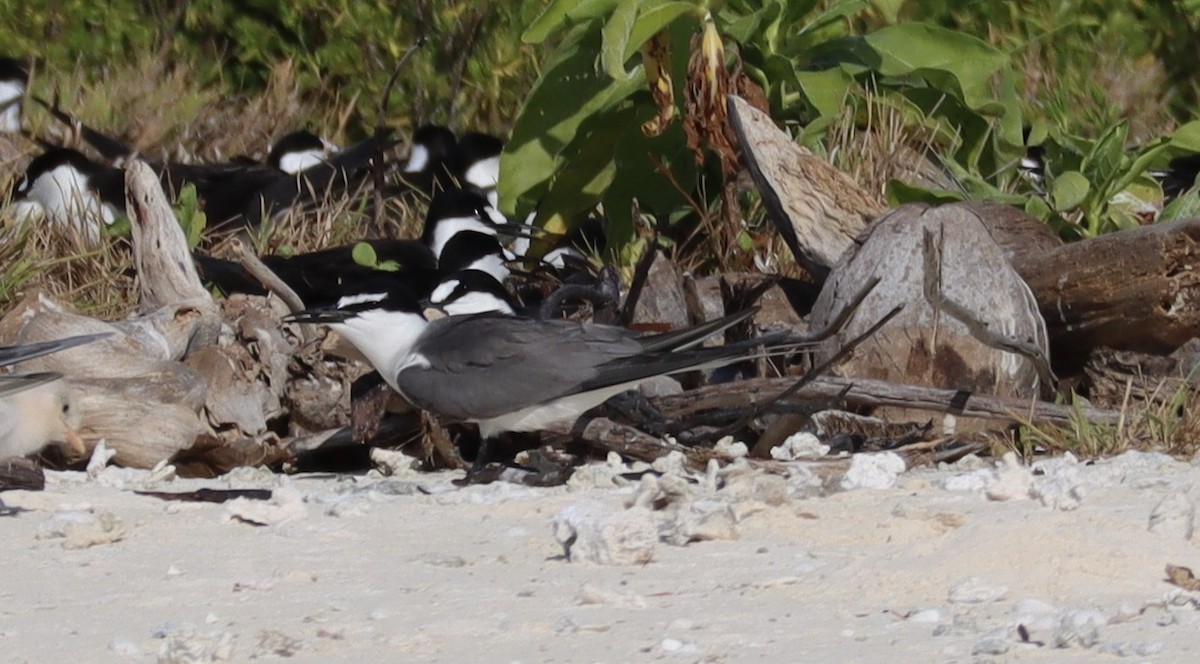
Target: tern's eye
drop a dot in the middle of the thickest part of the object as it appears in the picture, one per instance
(66, 408)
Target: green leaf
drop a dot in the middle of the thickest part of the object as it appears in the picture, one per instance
(120, 227)
(580, 187)
(825, 91)
(1187, 137)
(900, 192)
(654, 17)
(1107, 156)
(615, 36)
(1069, 191)
(1183, 207)
(953, 61)
(561, 14)
(1037, 207)
(190, 215)
(569, 92)
(888, 9)
(631, 25)
(364, 255)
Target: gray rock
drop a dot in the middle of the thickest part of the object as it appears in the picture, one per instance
(606, 535)
(873, 471)
(975, 591)
(1079, 627)
(1173, 517)
(662, 300)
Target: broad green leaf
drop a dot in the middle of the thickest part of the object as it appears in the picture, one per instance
(954, 61)
(825, 91)
(1069, 190)
(563, 13)
(888, 9)
(580, 187)
(1187, 137)
(813, 28)
(1183, 207)
(1036, 206)
(900, 192)
(744, 27)
(569, 92)
(615, 36)
(638, 177)
(631, 25)
(653, 18)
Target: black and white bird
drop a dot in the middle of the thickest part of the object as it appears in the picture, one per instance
(459, 233)
(508, 373)
(431, 159)
(13, 80)
(469, 292)
(299, 151)
(36, 409)
(477, 157)
(72, 191)
(320, 277)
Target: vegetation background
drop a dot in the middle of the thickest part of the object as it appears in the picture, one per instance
(1107, 89)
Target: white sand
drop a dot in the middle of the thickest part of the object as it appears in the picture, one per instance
(354, 572)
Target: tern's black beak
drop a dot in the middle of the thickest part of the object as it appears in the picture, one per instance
(523, 230)
(15, 354)
(320, 316)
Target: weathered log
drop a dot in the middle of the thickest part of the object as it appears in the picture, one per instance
(1133, 290)
(865, 392)
(1017, 233)
(969, 322)
(818, 209)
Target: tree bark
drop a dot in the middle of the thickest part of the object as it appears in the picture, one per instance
(1135, 290)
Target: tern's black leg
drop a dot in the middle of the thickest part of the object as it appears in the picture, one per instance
(487, 445)
(638, 409)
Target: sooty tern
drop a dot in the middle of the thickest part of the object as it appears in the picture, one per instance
(73, 191)
(471, 292)
(13, 80)
(299, 151)
(321, 277)
(478, 163)
(508, 373)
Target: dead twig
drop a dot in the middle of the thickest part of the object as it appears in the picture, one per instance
(265, 275)
(979, 329)
(871, 393)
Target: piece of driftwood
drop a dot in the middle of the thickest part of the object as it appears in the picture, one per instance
(1137, 289)
(605, 434)
(928, 344)
(269, 279)
(866, 392)
(166, 272)
(1117, 376)
(818, 209)
(1017, 233)
(21, 474)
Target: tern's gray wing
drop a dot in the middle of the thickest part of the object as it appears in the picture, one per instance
(13, 384)
(14, 354)
(486, 366)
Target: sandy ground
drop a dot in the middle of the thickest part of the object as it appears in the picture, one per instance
(975, 562)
